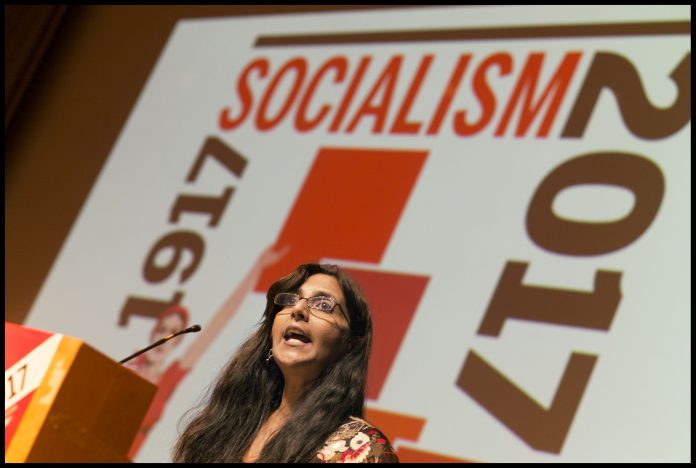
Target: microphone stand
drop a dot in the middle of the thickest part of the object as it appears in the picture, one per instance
(193, 328)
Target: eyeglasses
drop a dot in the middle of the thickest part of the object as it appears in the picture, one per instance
(321, 303)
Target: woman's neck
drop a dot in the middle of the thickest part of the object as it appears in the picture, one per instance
(293, 389)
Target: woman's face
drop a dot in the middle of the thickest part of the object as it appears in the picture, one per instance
(306, 340)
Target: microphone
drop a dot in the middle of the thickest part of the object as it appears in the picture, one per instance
(192, 328)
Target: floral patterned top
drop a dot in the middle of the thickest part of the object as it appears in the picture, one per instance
(357, 441)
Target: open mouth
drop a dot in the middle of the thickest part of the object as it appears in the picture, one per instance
(294, 334)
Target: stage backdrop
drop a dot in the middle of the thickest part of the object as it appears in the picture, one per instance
(510, 185)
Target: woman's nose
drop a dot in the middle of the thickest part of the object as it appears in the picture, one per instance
(300, 311)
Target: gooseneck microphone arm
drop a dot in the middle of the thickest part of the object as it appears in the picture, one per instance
(192, 328)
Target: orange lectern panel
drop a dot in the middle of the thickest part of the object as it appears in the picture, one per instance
(67, 402)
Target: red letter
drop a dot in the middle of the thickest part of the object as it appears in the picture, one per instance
(387, 81)
(484, 95)
(228, 123)
(347, 99)
(400, 124)
(527, 83)
(447, 96)
(300, 66)
(301, 122)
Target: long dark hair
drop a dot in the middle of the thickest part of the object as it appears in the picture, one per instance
(249, 389)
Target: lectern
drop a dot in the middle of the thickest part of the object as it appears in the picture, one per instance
(67, 402)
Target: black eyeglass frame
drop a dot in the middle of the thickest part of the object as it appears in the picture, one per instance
(299, 298)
